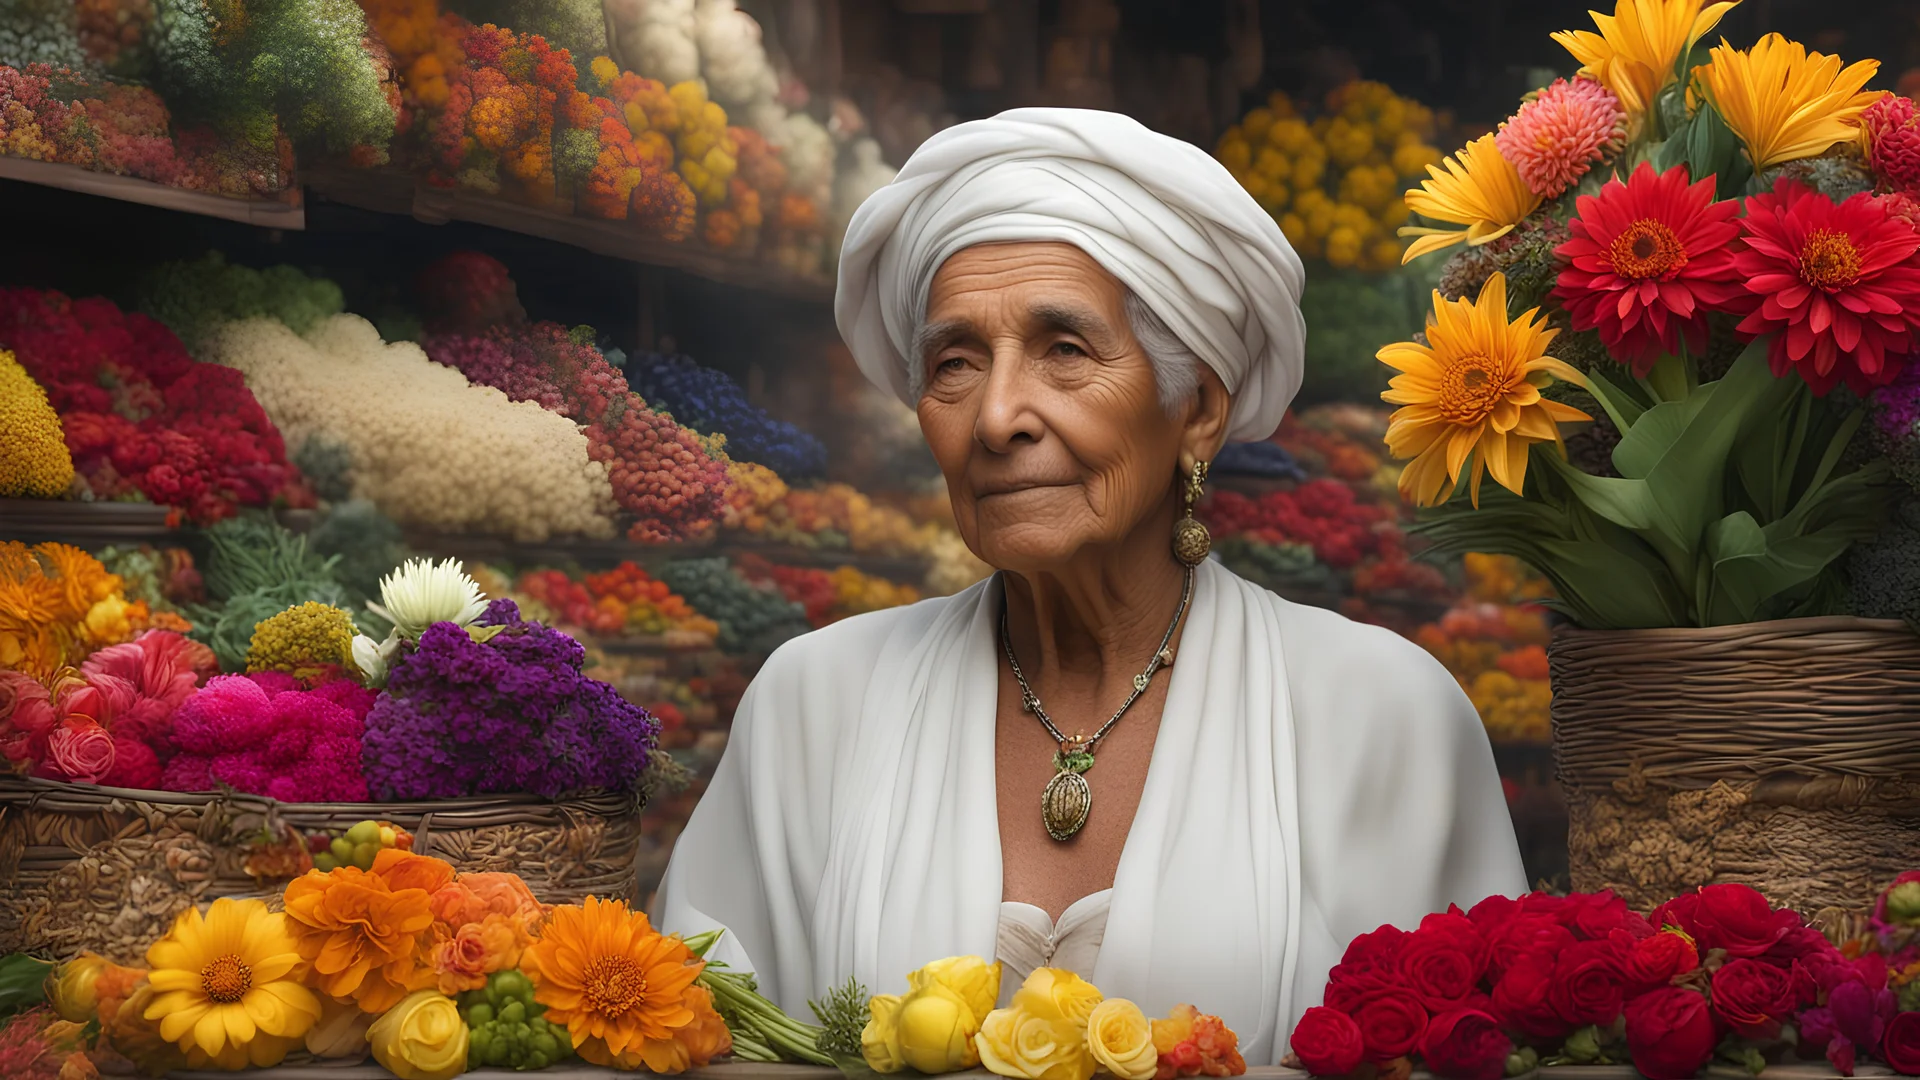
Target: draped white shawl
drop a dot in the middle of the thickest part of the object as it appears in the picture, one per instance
(1312, 779)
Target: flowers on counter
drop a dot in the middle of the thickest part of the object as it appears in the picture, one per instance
(624, 993)
(1057, 1026)
(261, 734)
(228, 986)
(421, 1038)
(711, 403)
(1716, 975)
(508, 1028)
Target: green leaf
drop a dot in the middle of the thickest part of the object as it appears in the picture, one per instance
(1622, 408)
(22, 982)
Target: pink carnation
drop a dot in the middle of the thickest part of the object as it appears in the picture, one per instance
(26, 718)
(1555, 138)
(1893, 139)
(288, 744)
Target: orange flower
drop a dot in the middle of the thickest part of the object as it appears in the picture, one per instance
(691, 1047)
(1191, 1043)
(363, 932)
(616, 985)
(470, 898)
(403, 869)
(478, 949)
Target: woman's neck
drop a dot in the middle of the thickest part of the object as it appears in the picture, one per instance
(1103, 615)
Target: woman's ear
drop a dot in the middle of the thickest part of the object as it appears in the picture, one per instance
(1205, 431)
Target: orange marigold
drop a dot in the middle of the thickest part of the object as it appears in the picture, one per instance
(1191, 1043)
(470, 898)
(619, 987)
(365, 933)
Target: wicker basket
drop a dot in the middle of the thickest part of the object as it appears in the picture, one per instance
(1785, 755)
(107, 869)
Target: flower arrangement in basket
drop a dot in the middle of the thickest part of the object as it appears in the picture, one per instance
(1715, 975)
(1690, 276)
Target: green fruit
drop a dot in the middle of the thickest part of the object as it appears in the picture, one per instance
(325, 862)
(366, 832)
(480, 1016)
(363, 855)
(514, 1013)
(342, 849)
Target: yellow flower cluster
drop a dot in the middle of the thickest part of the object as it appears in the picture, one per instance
(855, 593)
(1334, 181)
(34, 463)
(708, 155)
(753, 489)
(309, 641)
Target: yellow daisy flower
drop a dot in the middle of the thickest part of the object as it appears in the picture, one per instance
(1784, 102)
(1472, 395)
(227, 986)
(1634, 52)
(1478, 189)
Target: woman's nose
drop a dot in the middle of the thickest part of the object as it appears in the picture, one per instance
(1006, 414)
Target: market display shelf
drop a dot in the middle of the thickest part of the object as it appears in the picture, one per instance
(263, 212)
(85, 524)
(602, 554)
(777, 1071)
(389, 192)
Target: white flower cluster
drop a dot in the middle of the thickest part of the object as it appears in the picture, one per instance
(679, 40)
(429, 449)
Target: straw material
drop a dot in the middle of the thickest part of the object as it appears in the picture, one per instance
(1783, 754)
(107, 869)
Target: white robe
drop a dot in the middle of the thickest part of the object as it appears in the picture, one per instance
(1313, 778)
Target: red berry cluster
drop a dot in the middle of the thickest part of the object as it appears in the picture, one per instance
(141, 415)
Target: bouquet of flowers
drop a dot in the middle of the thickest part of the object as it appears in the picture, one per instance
(1057, 1026)
(1705, 257)
(1716, 974)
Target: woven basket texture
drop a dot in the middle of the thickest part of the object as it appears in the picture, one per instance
(1785, 755)
(107, 869)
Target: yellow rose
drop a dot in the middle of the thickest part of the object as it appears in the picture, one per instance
(976, 981)
(1043, 1034)
(1121, 1040)
(936, 1030)
(72, 991)
(880, 1040)
(422, 1038)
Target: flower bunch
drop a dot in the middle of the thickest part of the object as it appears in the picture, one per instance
(462, 716)
(57, 605)
(1331, 181)
(1680, 232)
(410, 425)
(623, 600)
(141, 416)
(313, 642)
(633, 177)
(828, 596)
(262, 734)
(711, 403)
(1581, 979)
(34, 464)
(496, 131)
(1493, 641)
(837, 516)
(752, 618)
(1058, 1026)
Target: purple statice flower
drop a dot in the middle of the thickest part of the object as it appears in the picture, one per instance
(513, 714)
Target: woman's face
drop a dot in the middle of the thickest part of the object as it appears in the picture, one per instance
(1042, 409)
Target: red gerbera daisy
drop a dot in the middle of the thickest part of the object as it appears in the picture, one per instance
(1649, 259)
(1837, 284)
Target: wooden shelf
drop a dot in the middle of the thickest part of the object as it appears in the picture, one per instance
(263, 212)
(390, 192)
(85, 524)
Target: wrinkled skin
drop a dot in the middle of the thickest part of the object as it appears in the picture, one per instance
(1064, 469)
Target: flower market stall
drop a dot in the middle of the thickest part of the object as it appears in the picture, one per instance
(420, 419)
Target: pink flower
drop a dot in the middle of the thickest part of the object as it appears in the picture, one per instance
(79, 751)
(1892, 127)
(26, 718)
(1555, 138)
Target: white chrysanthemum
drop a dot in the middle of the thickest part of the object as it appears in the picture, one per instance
(422, 592)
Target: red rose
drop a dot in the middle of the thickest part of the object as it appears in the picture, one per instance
(1381, 946)
(1390, 1026)
(1752, 997)
(1524, 935)
(1731, 917)
(1654, 961)
(1465, 1044)
(1521, 1002)
(1349, 988)
(1597, 915)
(1442, 962)
(1900, 1047)
(1588, 982)
(1491, 914)
(80, 750)
(1670, 1033)
(1328, 1042)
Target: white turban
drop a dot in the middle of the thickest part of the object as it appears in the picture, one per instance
(1159, 214)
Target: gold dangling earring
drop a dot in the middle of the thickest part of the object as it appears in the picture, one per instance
(1191, 540)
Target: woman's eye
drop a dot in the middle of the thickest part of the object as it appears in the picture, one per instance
(1067, 348)
(951, 364)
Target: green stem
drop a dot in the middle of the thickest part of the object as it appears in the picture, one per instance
(1668, 380)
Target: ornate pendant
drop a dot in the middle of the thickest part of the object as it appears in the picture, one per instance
(1065, 804)
(1191, 541)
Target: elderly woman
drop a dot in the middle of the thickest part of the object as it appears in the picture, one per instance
(1114, 755)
